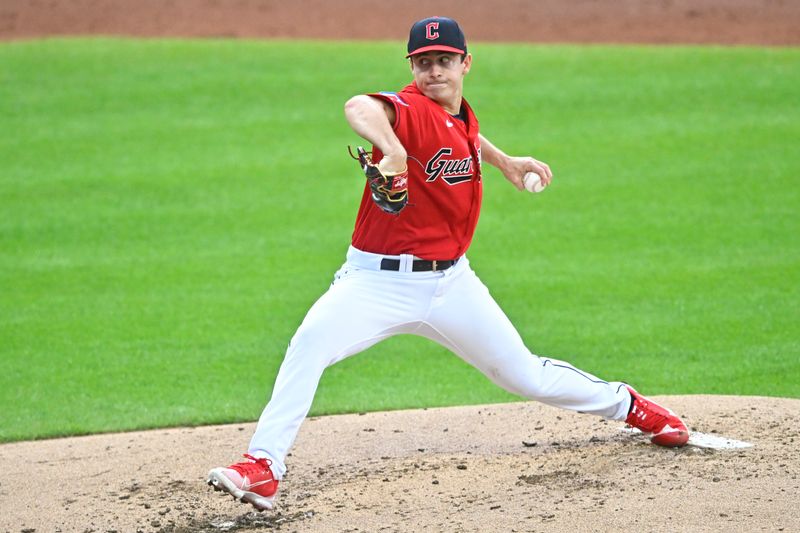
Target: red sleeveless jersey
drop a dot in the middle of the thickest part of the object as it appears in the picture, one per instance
(444, 183)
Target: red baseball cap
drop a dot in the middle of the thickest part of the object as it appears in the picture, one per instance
(436, 33)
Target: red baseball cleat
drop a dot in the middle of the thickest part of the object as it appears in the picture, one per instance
(250, 482)
(649, 417)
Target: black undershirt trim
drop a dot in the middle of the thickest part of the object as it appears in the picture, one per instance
(462, 116)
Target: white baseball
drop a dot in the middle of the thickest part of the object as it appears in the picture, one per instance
(533, 183)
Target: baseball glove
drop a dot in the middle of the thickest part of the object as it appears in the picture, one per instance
(389, 191)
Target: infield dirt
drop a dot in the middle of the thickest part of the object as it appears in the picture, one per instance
(509, 467)
(773, 22)
(513, 467)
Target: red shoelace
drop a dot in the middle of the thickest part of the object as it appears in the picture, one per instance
(256, 465)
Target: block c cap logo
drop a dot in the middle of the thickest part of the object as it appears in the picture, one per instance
(436, 33)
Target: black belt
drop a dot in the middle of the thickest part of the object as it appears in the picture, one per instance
(419, 265)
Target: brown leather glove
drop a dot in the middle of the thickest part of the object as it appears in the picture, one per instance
(389, 191)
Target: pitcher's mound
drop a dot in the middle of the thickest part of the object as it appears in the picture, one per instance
(510, 467)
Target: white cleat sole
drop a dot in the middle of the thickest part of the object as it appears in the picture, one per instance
(220, 482)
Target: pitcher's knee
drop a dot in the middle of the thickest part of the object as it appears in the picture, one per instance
(527, 388)
(309, 351)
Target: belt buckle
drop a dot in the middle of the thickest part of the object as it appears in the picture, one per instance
(435, 264)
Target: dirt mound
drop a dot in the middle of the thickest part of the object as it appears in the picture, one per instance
(773, 22)
(510, 467)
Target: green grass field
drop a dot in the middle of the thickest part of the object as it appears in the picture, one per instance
(170, 210)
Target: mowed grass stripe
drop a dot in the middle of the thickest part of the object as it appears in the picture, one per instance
(172, 208)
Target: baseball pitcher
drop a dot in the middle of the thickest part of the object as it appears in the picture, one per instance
(406, 270)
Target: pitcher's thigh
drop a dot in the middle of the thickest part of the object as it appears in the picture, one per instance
(474, 326)
(351, 316)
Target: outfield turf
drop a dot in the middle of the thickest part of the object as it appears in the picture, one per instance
(172, 208)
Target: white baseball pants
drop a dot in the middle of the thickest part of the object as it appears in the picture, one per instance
(365, 305)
